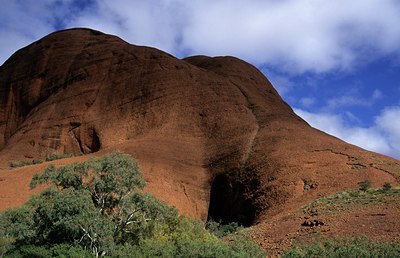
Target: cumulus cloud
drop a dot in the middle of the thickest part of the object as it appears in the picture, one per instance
(281, 83)
(376, 95)
(152, 23)
(352, 99)
(295, 35)
(22, 22)
(389, 123)
(20, 26)
(307, 101)
(383, 136)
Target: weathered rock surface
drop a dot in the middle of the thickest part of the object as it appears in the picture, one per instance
(187, 122)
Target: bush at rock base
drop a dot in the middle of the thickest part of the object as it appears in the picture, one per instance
(96, 208)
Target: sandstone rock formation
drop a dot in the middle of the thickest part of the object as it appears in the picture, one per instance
(212, 135)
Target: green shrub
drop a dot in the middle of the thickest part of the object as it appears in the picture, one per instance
(49, 157)
(98, 206)
(29, 251)
(37, 161)
(68, 251)
(5, 245)
(221, 230)
(61, 250)
(364, 185)
(343, 247)
(54, 156)
(243, 246)
(386, 187)
(353, 199)
(16, 164)
(17, 224)
(185, 244)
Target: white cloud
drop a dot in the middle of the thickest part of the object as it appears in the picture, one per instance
(22, 22)
(349, 116)
(281, 83)
(351, 99)
(382, 137)
(389, 122)
(344, 101)
(307, 101)
(20, 25)
(295, 35)
(308, 35)
(152, 23)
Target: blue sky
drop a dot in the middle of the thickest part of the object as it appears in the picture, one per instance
(337, 63)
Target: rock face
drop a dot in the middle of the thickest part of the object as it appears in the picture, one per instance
(212, 135)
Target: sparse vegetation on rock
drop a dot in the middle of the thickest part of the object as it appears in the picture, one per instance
(353, 199)
(344, 247)
(23, 163)
(54, 156)
(49, 157)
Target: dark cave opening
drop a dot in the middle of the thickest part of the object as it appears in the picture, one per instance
(95, 144)
(228, 203)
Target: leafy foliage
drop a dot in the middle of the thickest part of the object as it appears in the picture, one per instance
(358, 247)
(5, 245)
(60, 250)
(97, 207)
(221, 230)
